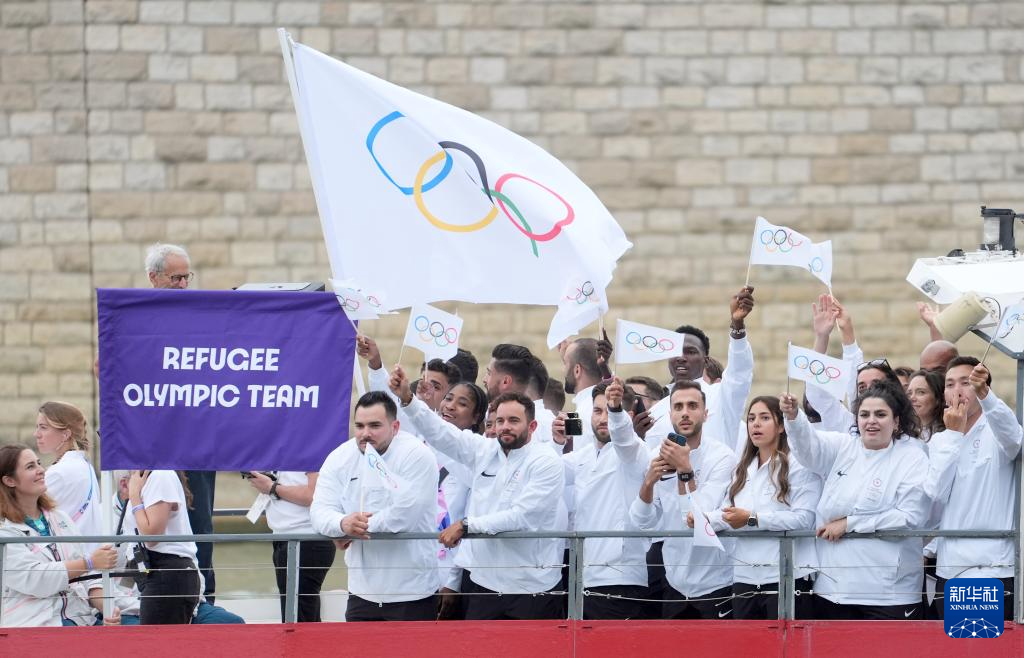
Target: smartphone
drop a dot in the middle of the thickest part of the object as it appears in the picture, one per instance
(248, 475)
(573, 424)
(638, 406)
(678, 438)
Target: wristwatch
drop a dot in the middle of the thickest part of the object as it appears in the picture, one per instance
(752, 521)
(465, 525)
(686, 477)
(273, 491)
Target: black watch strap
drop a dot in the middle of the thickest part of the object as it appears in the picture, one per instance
(686, 477)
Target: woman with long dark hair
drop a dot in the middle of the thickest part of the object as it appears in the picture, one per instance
(926, 391)
(874, 480)
(770, 490)
(158, 504)
(36, 577)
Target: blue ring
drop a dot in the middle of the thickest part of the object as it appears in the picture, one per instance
(372, 136)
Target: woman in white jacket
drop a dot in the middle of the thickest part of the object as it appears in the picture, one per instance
(61, 431)
(874, 480)
(770, 490)
(37, 591)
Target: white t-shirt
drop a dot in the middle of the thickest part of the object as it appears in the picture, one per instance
(164, 486)
(72, 484)
(285, 517)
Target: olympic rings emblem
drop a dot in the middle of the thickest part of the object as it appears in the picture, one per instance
(349, 304)
(816, 265)
(584, 294)
(435, 332)
(822, 374)
(649, 343)
(779, 240)
(1011, 323)
(495, 195)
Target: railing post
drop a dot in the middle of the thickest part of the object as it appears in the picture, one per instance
(570, 582)
(291, 588)
(787, 580)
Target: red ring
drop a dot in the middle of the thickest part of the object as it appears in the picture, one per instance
(556, 229)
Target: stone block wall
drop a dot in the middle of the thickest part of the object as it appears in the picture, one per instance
(881, 125)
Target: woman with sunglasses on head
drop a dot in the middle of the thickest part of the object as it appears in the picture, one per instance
(36, 577)
(873, 482)
(62, 431)
(835, 417)
(770, 490)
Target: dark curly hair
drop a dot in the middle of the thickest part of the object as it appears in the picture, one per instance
(896, 399)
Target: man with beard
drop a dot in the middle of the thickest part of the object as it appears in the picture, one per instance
(726, 399)
(604, 478)
(514, 369)
(586, 365)
(517, 486)
(700, 577)
(387, 580)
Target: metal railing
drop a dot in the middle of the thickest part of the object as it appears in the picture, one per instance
(576, 562)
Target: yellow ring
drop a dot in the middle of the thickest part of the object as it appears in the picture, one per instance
(417, 193)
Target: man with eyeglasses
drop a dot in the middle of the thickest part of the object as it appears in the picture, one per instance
(168, 267)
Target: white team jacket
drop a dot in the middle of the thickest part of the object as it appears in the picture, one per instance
(36, 590)
(385, 571)
(874, 490)
(519, 491)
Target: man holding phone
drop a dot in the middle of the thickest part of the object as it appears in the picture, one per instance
(699, 578)
(726, 400)
(604, 477)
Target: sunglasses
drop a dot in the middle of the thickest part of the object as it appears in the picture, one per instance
(875, 363)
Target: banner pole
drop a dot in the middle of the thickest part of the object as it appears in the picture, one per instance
(746, 283)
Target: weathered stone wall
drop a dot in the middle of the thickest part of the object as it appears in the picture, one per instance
(880, 125)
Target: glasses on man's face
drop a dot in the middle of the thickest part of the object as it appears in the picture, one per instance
(176, 279)
(876, 363)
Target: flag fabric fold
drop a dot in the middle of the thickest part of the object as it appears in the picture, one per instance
(433, 332)
(781, 245)
(583, 301)
(703, 534)
(820, 369)
(643, 343)
(424, 201)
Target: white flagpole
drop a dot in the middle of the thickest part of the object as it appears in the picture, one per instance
(357, 372)
(306, 137)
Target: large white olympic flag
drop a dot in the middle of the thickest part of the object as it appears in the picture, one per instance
(424, 201)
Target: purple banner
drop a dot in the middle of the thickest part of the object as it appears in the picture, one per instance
(222, 380)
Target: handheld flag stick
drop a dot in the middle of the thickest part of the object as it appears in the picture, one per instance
(750, 263)
(787, 385)
(992, 339)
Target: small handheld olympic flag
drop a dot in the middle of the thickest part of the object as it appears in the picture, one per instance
(582, 302)
(642, 343)
(781, 245)
(703, 533)
(357, 303)
(819, 369)
(433, 332)
(376, 464)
